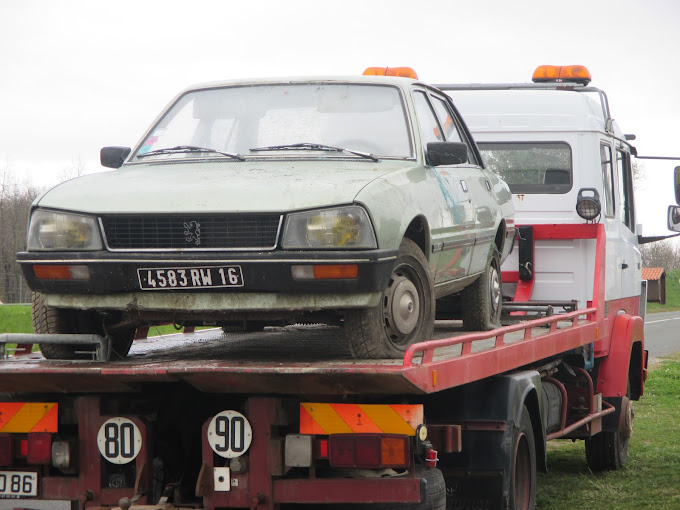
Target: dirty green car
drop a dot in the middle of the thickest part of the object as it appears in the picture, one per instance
(355, 202)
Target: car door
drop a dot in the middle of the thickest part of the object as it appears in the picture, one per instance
(454, 240)
(477, 186)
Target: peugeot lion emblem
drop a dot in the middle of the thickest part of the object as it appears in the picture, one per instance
(192, 232)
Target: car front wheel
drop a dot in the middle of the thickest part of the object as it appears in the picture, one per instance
(405, 314)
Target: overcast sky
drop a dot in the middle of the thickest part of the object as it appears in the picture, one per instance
(79, 75)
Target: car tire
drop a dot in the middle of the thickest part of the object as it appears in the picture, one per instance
(405, 314)
(483, 299)
(523, 466)
(47, 319)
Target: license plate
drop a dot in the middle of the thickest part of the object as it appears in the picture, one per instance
(168, 278)
(18, 484)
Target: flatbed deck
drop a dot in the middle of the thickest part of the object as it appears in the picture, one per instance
(305, 360)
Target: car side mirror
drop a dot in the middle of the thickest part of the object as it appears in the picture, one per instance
(113, 157)
(447, 153)
(676, 184)
(674, 218)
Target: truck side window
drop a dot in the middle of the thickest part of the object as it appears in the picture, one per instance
(626, 189)
(607, 179)
(430, 131)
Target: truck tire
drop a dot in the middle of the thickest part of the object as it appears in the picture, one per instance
(56, 320)
(405, 314)
(482, 300)
(435, 494)
(522, 474)
(608, 450)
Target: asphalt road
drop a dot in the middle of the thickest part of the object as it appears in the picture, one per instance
(662, 334)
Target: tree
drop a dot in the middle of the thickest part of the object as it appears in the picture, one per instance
(15, 203)
(664, 254)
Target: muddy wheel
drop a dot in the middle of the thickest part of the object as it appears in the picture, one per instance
(523, 466)
(608, 450)
(482, 299)
(435, 494)
(56, 320)
(405, 314)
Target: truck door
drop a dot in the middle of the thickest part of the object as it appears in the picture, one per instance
(631, 261)
(456, 238)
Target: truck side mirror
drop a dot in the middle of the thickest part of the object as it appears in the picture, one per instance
(676, 182)
(674, 218)
(447, 153)
(113, 157)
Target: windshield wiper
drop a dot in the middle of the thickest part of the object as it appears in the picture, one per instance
(179, 149)
(313, 147)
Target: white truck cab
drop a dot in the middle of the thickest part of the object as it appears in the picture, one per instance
(566, 161)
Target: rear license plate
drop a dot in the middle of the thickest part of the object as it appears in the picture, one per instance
(18, 484)
(168, 278)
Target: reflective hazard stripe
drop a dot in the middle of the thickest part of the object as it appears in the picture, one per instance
(28, 417)
(324, 419)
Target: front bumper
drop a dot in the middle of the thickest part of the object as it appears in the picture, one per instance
(268, 282)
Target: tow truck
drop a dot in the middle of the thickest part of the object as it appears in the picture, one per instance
(285, 417)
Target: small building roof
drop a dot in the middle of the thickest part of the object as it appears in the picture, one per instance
(652, 273)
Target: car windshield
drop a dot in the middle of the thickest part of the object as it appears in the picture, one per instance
(283, 120)
(533, 167)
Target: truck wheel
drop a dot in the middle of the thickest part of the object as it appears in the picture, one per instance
(56, 320)
(523, 466)
(405, 314)
(482, 300)
(608, 450)
(435, 494)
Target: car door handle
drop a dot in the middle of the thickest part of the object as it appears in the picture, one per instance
(624, 266)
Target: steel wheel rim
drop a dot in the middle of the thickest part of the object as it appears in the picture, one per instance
(494, 290)
(402, 306)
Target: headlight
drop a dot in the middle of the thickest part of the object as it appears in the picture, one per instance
(50, 230)
(342, 227)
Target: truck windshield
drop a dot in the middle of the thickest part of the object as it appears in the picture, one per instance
(533, 167)
(236, 120)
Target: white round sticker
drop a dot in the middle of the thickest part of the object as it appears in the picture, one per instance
(119, 440)
(229, 434)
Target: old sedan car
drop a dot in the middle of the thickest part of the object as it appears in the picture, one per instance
(356, 202)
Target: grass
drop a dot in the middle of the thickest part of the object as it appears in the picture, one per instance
(17, 319)
(672, 294)
(650, 478)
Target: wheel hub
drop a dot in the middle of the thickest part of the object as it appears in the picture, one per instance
(495, 290)
(403, 306)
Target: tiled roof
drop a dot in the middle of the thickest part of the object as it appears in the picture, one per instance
(652, 273)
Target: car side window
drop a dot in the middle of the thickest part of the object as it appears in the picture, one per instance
(430, 131)
(446, 120)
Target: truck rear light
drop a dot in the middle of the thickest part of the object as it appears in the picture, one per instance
(368, 450)
(61, 454)
(61, 272)
(39, 448)
(5, 449)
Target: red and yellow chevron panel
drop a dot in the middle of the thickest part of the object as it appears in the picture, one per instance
(28, 417)
(324, 419)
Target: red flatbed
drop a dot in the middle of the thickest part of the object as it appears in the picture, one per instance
(307, 360)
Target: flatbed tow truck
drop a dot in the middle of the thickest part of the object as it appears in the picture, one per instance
(278, 418)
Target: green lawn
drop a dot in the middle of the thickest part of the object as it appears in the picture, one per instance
(650, 478)
(17, 319)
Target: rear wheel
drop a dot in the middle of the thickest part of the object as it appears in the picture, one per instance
(482, 299)
(47, 319)
(523, 466)
(405, 314)
(608, 450)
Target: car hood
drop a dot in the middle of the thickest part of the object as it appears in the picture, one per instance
(269, 186)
